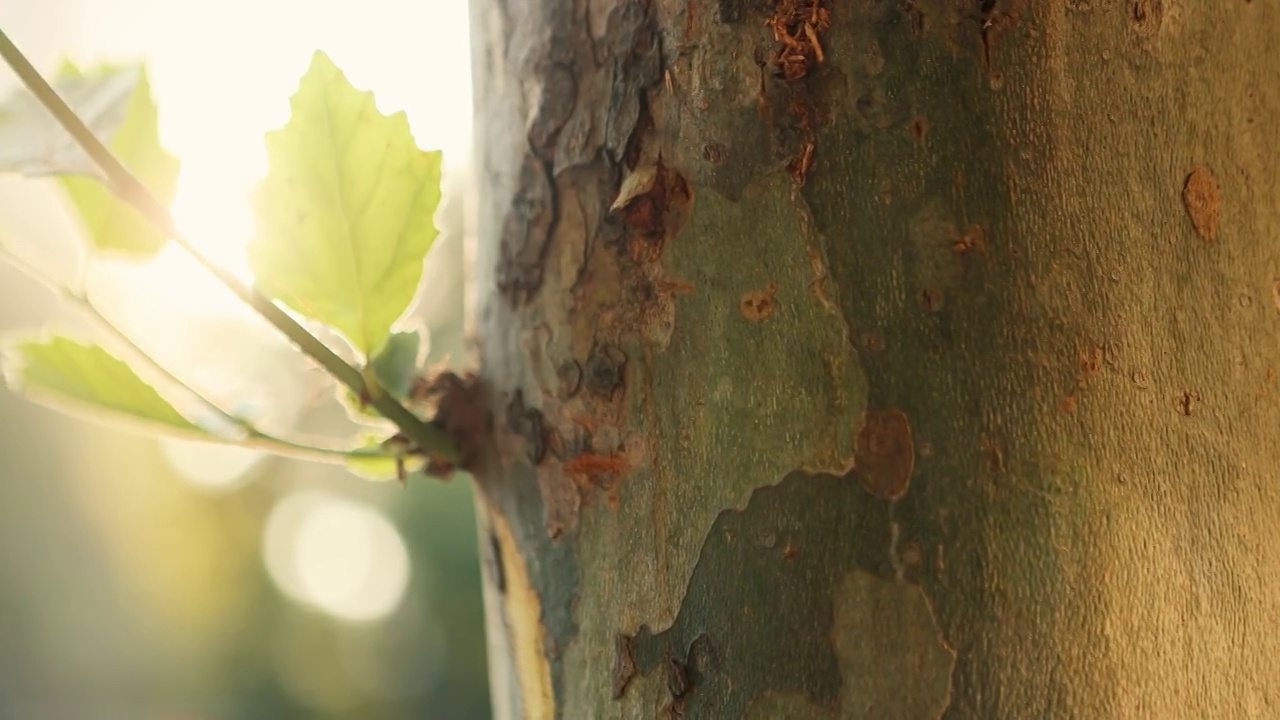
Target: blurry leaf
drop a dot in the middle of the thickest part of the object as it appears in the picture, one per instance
(111, 223)
(394, 366)
(397, 362)
(357, 411)
(32, 142)
(61, 370)
(345, 213)
(381, 467)
(373, 468)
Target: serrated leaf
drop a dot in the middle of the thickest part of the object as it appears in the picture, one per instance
(111, 223)
(345, 213)
(32, 142)
(61, 370)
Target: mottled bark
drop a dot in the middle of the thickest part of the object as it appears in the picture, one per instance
(916, 363)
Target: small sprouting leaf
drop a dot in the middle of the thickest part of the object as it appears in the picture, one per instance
(396, 363)
(32, 142)
(393, 367)
(61, 370)
(383, 467)
(345, 213)
(111, 223)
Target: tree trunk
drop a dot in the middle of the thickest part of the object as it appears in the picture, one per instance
(881, 358)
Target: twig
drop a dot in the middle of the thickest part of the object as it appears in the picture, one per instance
(428, 437)
(254, 438)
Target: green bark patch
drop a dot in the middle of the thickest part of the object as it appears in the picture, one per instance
(956, 335)
(814, 556)
(892, 662)
(710, 443)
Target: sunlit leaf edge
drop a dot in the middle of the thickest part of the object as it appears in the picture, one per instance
(313, 294)
(15, 366)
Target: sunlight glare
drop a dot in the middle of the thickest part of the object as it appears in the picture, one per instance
(342, 557)
(215, 105)
(212, 467)
(213, 344)
(212, 207)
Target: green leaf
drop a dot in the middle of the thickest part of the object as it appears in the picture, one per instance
(397, 362)
(394, 367)
(345, 213)
(32, 142)
(382, 467)
(61, 370)
(111, 223)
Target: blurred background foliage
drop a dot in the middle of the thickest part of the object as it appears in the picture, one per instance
(147, 579)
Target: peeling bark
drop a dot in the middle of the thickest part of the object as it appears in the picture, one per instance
(903, 359)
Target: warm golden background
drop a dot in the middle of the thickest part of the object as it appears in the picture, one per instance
(143, 579)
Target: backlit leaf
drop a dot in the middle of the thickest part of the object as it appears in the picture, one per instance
(32, 142)
(345, 213)
(394, 367)
(396, 363)
(70, 375)
(111, 223)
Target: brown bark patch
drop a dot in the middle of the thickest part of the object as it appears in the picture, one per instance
(1091, 362)
(973, 239)
(624, 665)
(1203, 200)
(606, 371)
(919, 129)
(1068, 404)
(798, 27)
(931, 299)
(653, 201)
(758, 305)
(1187, 403)
(1145, 16)
(599, 470)
(802, 163)
(715, 153)
(462, 411)
(885, 455)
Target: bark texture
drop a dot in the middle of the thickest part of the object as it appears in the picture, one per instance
(881, 358)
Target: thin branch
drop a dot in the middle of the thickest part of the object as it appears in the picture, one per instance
(428, 437)
(254, 438)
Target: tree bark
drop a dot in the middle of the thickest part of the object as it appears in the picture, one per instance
(880, 358)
